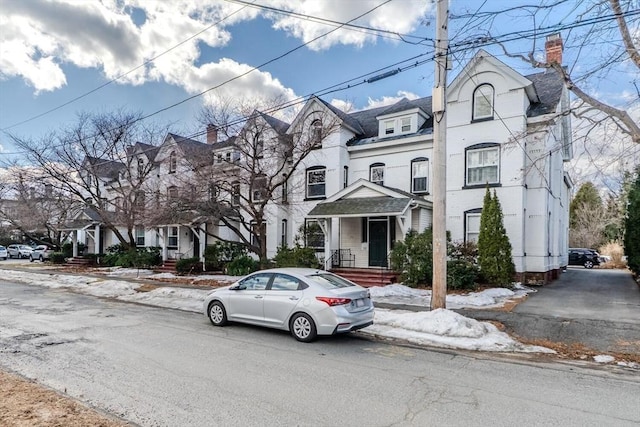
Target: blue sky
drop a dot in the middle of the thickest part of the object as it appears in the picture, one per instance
(54, 51)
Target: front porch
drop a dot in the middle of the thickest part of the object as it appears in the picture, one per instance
(369, 219)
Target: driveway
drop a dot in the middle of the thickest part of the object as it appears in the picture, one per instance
(597, 308)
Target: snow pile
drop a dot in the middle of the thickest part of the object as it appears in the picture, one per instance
(603, 358)
(489, 298)
(128, 272)
(444, 328)
(178, 298)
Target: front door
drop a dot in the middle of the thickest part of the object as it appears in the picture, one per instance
(378, 232)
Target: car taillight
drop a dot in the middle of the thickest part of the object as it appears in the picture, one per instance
(334, 301)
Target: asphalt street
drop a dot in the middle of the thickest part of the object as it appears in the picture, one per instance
(162, 367)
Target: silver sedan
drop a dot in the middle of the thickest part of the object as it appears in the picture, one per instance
(304, 301)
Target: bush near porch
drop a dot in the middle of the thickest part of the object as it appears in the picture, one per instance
(413, 260)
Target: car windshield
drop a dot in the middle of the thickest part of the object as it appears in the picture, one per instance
(2, 248)
(330, 281)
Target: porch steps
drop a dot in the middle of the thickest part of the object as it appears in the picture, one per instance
(168, 266)
(79, 261)
(367, 277)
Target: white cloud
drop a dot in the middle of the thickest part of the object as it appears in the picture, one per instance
(400, 17)
(115, 36)
(350, 106)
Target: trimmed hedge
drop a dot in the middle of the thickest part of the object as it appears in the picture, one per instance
(189, 266)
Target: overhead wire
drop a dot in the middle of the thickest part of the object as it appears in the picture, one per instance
(465, 45)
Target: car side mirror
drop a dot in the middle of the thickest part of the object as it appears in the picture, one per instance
(237, 288)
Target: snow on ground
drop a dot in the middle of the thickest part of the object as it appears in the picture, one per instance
(445, 328)
(489, 298)
(442, 328)
(603, 358)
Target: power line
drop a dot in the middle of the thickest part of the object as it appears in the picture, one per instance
(149, 61)
(462, 46)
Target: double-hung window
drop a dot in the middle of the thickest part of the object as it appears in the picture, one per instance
(419, 170)
(316, 182)
(376, 173)
(313, 234)
(139, 236)
(259, 189)
(472, 225)
(483, 165)
(172, 237)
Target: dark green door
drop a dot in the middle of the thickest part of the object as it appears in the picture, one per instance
(378, 243)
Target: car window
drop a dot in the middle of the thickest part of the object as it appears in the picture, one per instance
(330, 281)
(2, 248)
(284, 282)
(257, 282)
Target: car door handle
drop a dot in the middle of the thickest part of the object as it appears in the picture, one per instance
(258, 296)
(292, 298)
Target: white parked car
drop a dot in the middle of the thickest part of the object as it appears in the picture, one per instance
(19, 251)
(3, 253)
(41, 252)
(304, 301)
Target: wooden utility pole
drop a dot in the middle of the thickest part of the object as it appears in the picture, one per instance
(439, 106)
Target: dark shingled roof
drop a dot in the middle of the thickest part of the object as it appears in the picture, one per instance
(346, 118)
(151, 151)
(191, 147)
(361, 206)
(548, 85)
(105, 168)
(277, 125)
(369, 123)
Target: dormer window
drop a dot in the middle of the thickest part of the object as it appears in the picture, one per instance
(405, 124)
(389, 127)
(140, 168)
(483, 98)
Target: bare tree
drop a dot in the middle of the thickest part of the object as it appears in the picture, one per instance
(90, 163)
(602, 48)
(37, 210)
(248, 174)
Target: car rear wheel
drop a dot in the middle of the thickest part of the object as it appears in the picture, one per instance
(588, 264)
(217, 314)
(303, 328)
(30, 258)
(41, 258)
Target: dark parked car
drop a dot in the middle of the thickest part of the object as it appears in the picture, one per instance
(585, 257)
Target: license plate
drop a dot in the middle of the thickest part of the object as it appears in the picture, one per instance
(360, 303)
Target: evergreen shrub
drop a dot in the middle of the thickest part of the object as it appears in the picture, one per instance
(189, 266)
(242, 265)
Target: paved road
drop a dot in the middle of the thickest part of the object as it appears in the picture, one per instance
(160, 367)
(598, 308)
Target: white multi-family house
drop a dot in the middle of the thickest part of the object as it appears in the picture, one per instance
(369, 181)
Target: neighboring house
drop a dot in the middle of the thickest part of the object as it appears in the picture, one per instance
(369, 181)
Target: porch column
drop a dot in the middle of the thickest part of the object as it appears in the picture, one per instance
(74, 242)
(96, 239)
(202, 241)
(163, 238)
(327, 242)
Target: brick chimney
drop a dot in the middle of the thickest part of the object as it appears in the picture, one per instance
(212, 134)
(553, 47)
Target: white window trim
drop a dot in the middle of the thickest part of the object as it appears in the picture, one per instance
(377, 167)
(323, 183)
(468, 232)
(467, 168)
(476, 96)
(426, 175)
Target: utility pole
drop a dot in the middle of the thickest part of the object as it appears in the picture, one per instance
(439, 106)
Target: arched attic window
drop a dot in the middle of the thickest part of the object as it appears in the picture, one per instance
(483, 102)
(173, 162)
(316, 133)
(140, 168)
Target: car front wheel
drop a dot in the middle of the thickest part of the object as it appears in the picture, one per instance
(217, 314)
(588, 264)
(303, 328)
(30, 258)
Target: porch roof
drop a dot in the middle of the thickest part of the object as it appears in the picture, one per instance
(359, 207)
